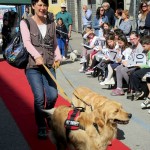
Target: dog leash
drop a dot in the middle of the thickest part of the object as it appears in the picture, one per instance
(58, 86)
(62, 91)
(78, 96)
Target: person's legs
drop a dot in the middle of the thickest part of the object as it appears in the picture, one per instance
(119, 76)
(59, 44)
(63, 42)
(50, 88)
(136, 78)
(146, 103)
(35, 80)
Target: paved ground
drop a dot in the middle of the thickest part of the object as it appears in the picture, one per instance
(136, 134)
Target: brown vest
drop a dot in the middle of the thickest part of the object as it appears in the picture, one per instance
(44, 46)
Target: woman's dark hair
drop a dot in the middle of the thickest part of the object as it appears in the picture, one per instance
(33, 2)
(118, 31)
(106, 24)
(123, 38)
(98, 12)
(142, 3)
(119, 11)
(11, 17)
(60, 19)
(111, 36)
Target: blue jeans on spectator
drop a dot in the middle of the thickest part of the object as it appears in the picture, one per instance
(44, 90)
(61, 44)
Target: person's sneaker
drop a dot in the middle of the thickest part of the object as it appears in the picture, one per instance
(63, 58)
(89, 71)
(83, 60)
(81, 70)
(146, 103)
(42, 133)
(103, 82)
(117, 92)
(110, 82)
(138, 94)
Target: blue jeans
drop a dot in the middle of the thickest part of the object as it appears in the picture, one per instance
(44, 90)
(61, 44)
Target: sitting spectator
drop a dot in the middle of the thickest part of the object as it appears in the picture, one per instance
(123, 70)
(123, 52)
(87, 49)
(125, 25)
(98, 21)
(118, 15)
(136, 77)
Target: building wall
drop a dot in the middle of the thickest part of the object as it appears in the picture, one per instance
(55, 8)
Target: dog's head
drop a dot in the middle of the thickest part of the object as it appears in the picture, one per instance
(114, 113)
(76, 52)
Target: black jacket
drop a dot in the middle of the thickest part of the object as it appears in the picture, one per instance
(61, 32)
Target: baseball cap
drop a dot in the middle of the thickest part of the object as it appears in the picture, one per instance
(63, 5)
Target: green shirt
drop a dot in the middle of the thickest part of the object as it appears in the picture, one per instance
(148, 59)
(66, 17)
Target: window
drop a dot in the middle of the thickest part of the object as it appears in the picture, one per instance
(54, 1)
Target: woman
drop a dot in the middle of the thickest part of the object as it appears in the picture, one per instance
(122, 70)
(98, 21)
(118, 15)
(142, 17)
(42, 46)
(125, 25)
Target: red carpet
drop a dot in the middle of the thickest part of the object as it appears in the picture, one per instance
(18, 98)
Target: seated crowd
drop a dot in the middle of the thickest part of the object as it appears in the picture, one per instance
(120, 58)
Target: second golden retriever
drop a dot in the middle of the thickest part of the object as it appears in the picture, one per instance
(89, 136)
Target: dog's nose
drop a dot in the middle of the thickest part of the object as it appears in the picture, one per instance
(129, 115)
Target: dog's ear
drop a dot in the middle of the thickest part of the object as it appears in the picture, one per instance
(100, 121)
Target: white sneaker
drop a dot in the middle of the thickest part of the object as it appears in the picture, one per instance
(81, 70)
(83, 60)
(63, 58)
(103, 82)
(110, 82)
(149, 111)
(146, 103)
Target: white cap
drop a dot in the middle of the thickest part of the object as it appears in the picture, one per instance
(63, 5)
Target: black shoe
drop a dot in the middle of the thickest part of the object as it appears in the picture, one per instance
(42, 134)
(138, 94)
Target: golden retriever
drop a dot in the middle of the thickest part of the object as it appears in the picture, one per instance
(89, 137)
(84, 97)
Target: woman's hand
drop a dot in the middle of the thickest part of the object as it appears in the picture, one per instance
(56, 64)
(39, 61)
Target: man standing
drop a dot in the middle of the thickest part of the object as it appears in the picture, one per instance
(87, 17)
(109, 12)
(67, 18)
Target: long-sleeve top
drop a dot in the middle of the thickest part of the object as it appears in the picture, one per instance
(61, 32)
(30, 48)
(96, 24)
(87, 17)
(126, 27)
(148, 59)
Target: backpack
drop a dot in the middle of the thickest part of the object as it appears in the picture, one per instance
(15, 53)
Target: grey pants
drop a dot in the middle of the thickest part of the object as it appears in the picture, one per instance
(122, 72)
